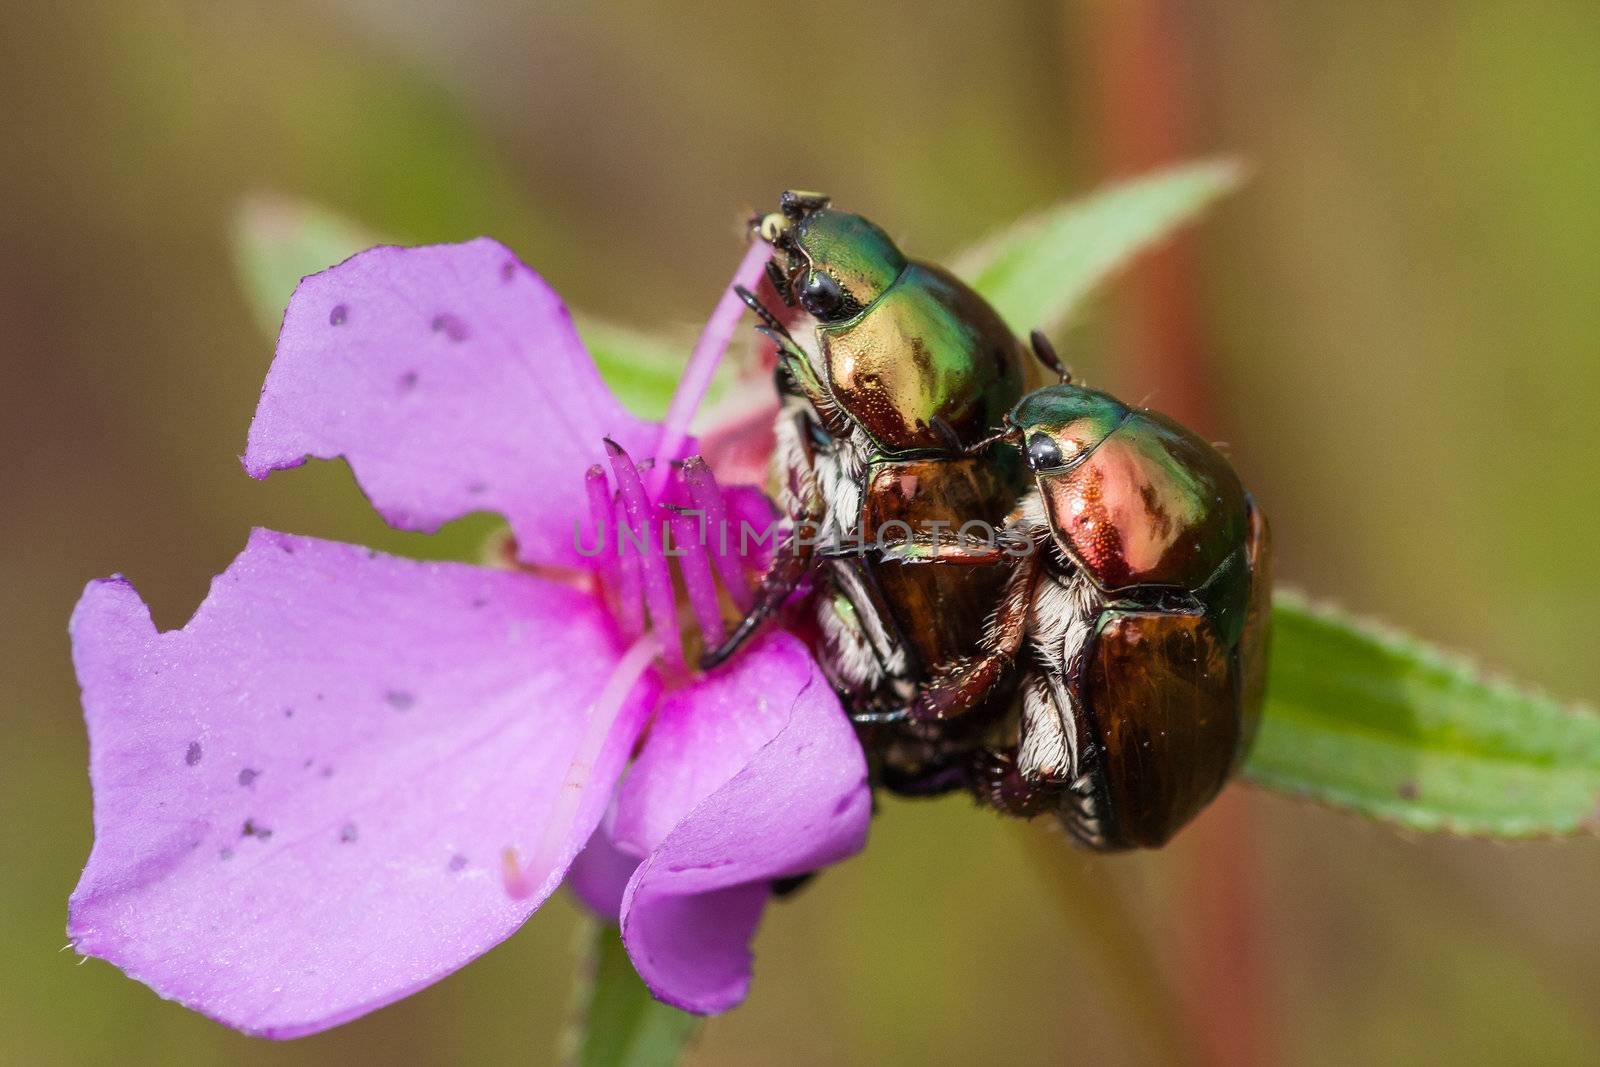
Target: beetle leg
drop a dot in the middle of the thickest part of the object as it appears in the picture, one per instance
(1004, 433)
(1000, 783)
(792, 358)
(780, 283)
(947, 547)
(955, 692)
(927, 782)
(794, 557)
(782, 578)
(1047, 751)
(783, 887)
(768, 319)
(880, 713)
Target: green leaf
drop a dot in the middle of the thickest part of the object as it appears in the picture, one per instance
(278, 240)
(1370, 719)
(1038, 271)
(620, 1023)
(641, 369)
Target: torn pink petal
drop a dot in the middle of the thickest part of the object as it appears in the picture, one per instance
(303, 796)
(452, 380)
(796, 800)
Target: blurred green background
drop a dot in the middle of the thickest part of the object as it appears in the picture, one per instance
(1395, 326)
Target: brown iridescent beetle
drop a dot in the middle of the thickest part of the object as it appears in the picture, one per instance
(1138, 623)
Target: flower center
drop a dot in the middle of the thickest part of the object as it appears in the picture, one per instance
(637, 538)
(636, 532)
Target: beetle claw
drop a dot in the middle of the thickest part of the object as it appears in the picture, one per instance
(753, 302)
(881, 715)
(780, 283)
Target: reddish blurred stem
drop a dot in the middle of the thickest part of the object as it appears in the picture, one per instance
(1138, 96)
(1141, 83)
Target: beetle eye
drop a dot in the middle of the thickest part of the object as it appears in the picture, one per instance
(822, 297)
(1043, 452)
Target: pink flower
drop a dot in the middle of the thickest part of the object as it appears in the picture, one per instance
(349, 774)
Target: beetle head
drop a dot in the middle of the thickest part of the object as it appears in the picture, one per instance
(831, 263)
(1060, 424)
(1056, 428)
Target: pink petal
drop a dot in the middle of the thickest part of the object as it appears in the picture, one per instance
(452, 380)
(303, 797)
(600, 875)
(730, 795)
(704, 734)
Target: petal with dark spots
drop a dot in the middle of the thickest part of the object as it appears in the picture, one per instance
(503, 410)
(312, 897)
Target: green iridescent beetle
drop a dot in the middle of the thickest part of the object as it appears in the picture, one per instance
(929, 366)
(904, 369)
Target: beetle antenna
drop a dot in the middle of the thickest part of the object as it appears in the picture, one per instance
(1007, 433)
(1045, 352)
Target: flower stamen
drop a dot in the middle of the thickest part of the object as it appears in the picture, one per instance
(688, 537)
(707, 497)
(619, 581)
(644, 523)
(638, 578)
